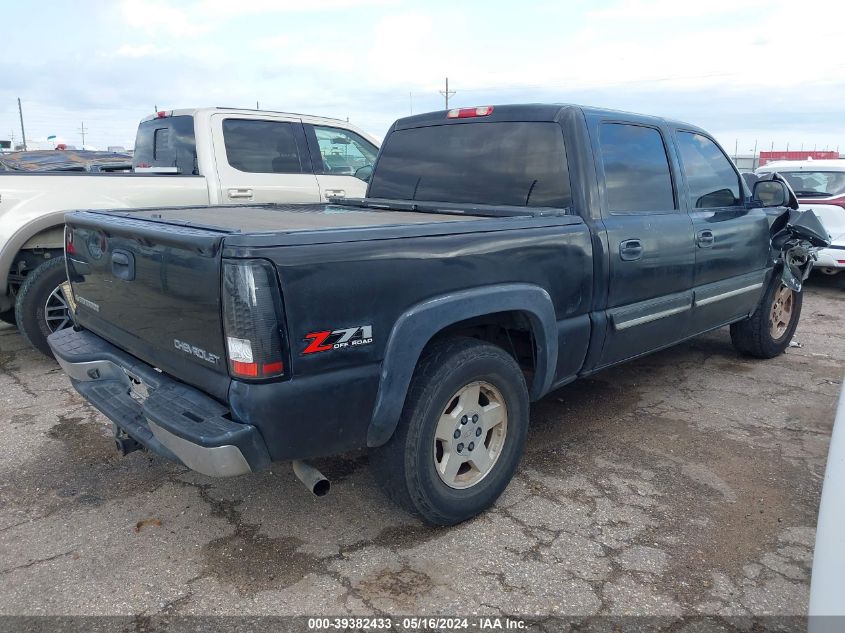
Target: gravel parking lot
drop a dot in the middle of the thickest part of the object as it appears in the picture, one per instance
(683, 483)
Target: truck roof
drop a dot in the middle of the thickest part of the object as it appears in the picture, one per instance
(832, 164)
(195, 111)
(533, 112)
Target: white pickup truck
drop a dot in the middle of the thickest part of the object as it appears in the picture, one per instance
(193, 157)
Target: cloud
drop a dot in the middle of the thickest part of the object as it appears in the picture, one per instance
(141, 50)
(275, 43)
(193, 19)
(728, 67)
(161, 16)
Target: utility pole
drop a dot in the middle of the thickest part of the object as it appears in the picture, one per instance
(754, 157)
(23, 134)
(256, 105)
(447, 93)
(736, 148)
(82, 130)
(411, 99)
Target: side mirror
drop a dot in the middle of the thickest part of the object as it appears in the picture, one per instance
(364, 173)
(772, 193)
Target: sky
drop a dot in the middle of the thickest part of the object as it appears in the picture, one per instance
(752, 72)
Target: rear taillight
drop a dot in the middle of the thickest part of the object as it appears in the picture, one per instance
(70, 249)
(252, 319)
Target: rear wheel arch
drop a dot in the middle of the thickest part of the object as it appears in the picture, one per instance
(452, 315)
(45, 233)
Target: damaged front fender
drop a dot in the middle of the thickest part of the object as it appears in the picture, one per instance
(796, 238)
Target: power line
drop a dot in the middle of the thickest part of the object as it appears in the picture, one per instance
(447, 93)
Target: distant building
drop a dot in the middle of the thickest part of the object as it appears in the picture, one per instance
(767, 157)
(746, 162)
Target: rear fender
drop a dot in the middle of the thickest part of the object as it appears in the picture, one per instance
(49, 226)
(418, 325)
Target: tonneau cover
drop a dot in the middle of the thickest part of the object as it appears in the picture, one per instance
(290, 217)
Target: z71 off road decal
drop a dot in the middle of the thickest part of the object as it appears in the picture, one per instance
(338, 339)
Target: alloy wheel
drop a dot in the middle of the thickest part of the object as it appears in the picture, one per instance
(781, 312)
(470, 435)
(57, 308)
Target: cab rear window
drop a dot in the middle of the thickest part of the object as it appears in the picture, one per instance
(166, 142)
(500, 163)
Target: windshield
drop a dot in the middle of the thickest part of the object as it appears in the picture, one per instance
(166, 142)
(502, 163)
(814, 184)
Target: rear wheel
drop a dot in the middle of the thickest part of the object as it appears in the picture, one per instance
(769, 330)
(461, 433)
(43, 305)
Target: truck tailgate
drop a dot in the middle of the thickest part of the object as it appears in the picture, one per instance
(152, 289)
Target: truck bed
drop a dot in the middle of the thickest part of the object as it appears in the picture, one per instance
(149, 280)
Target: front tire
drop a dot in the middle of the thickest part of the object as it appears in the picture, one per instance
(42, 304)
(768, 332)
(461, 433)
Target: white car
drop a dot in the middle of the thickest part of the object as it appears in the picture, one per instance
(218, 156)
(819, 185)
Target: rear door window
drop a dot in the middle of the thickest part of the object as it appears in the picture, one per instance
(166, 142)
(262, 147)
(713, 182)
(501, 163)
(342, 152)
(636, 169)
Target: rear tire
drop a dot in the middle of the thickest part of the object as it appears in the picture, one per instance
(478, 391)
(768, 332)
(39, 303)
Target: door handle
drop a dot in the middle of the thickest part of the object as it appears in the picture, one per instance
(335, 193)
(240, 193)
(705, 238)
(630, 250)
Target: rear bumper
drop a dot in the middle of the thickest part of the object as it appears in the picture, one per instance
(168, 417)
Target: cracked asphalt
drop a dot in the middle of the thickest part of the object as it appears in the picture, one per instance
(683, 483)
